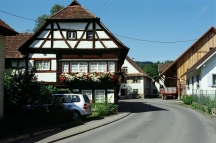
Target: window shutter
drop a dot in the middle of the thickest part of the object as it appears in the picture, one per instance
(209, 79)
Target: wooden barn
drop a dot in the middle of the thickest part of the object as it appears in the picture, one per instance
(172, 75)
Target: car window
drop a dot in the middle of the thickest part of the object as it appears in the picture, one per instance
(86, 98)
(58, 99)
(75, 98)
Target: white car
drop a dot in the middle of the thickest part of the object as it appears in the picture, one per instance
(79, 103)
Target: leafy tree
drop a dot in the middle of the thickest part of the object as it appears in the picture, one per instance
(152, 69)
(42, 19)
(22, 87)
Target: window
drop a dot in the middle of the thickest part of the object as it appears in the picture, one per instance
(43, 65)
(192, 80)
(74, 67)
(102, 67)
(135, 80)
(79, 67)
(88, 93)
(197, 78)
(188, 82)
(214, 80)
(124, 70)
(75, 98)
(89, 35)
(111, 67)
(135, 91)
(65, 67)
(71, 35)
(211, 48)
(98, 67)
(99, 96)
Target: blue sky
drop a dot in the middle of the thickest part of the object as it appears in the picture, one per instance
(148, 24)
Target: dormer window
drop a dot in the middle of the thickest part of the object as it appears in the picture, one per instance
(89, 35)
(71, 35)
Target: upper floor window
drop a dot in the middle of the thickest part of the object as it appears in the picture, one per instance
(197, 78)
(98, 67)
(111, 67)
(124, 69)
(89, 35)
(71, 35)
(43, 65)
(78, 67)
(65, 67)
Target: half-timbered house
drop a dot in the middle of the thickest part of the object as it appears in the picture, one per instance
(5, 30)
(172, 75)
(74, 46)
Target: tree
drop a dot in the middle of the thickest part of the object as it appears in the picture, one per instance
(152, 70)
(42, 19)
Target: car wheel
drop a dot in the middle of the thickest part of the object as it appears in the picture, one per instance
(76, 115)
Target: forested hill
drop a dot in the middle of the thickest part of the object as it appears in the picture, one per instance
(142, 64)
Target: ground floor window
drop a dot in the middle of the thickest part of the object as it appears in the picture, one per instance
(88, 93)
(99, 96)
(214, 79)
(135, 91)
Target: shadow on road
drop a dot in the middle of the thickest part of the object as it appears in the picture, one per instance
(137, 107)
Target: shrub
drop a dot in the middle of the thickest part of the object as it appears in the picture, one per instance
(187, 99)
(105, 108)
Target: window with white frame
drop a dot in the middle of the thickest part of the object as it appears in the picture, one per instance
(74, 67)
(111, 66)
(102, 67)
(78, 67)
(89, 35)
(99, 96)
(71, 35)
(124, 69)
(88, 93)
(98, 67)
(43, 65)
(65, 67)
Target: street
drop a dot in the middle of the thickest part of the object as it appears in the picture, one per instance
(151, 121)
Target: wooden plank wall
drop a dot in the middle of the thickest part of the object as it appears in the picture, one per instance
(194, 53)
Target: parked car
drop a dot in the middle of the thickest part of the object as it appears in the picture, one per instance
(78, 103)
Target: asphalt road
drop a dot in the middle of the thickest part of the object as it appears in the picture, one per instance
(153, 121)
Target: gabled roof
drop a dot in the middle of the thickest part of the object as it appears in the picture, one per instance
(202, 61)
(13, 43)
(211, 29)
(73, 11)
(137, 67)
(6, 30)
(162, 67)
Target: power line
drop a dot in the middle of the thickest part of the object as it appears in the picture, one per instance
(143, 40)
(18, 16)
(106, 7)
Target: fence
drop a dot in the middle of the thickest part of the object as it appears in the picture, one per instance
(205, 97)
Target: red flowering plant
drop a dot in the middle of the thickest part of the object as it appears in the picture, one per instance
(89, 77)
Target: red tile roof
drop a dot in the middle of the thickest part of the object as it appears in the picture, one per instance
(73, 11)
(162, 67)
(13, 43)
(6, 29)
